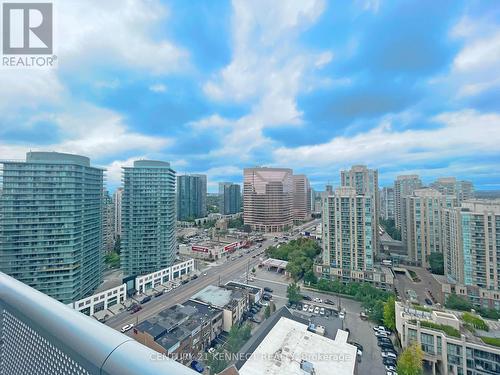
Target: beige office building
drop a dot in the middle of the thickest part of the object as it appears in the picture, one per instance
(423, 211)
(463, 190)
(268, 198)
(301, 198)
(471, 246)
(403, 186)
(365, 181)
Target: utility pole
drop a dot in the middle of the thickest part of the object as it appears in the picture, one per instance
(248, 267)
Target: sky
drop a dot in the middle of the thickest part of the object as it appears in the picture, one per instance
(313, 85)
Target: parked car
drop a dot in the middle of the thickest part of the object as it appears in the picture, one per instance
(307, 298)
(305, 307)
(329, 302)
(386, 346)
(145, 300)
(319, 300)
(342, 315)
(267, 289)
(194, 277)
(316, 310)
(311, 309)
(379, 328)
(322, 311)
(428, 301)
(184, 281)
(135, 309)
(389, 362)
(127, 328)
(266, 297)
(388, 354)
(363, 316)
(159, 293)
(195, 365)
(381, 334)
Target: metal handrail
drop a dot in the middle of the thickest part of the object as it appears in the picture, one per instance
(97, 348)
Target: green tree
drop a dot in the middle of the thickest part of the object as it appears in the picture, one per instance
(217, 361)
(238, 335)
(458, 303)
(267, 311)
(410, 361)
(390, 314)
(293, 293)
(310, 277)
(112, 259)
(436, 262)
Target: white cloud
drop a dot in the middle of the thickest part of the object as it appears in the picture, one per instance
(123, 33)
(28, 89)
(90, 130)
(461, 134)
(114, 169)
(267, 71)
(158, 88)
(476, 68)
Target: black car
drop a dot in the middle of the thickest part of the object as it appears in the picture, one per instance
(307, 298)
(253, 310)
(266, 297)
(267, 289)
(428, 301)
(389, 362)
(385, 339)
(385, 347)
(329, 302)
(385, 343)
(145, 299)
(194, 277)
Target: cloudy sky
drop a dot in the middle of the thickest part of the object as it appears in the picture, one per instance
(214, 86)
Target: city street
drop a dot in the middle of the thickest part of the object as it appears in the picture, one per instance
(230, 270)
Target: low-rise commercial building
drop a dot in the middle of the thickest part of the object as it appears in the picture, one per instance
(233, 303)
(285, 345)
(448, 347)
(209, 250)
(181, 332)
(254, 292)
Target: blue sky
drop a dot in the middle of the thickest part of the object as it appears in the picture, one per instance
(215, 86)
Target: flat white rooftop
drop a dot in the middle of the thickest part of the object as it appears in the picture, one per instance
(289, 342)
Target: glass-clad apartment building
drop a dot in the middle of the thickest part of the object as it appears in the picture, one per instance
(51, 224)
(148, 217)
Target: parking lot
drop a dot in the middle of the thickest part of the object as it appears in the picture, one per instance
(361, 331)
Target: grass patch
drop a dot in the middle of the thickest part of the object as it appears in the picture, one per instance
(416, 306)
(475, 321)
(449, 330)
(495, 341)
(414, 276)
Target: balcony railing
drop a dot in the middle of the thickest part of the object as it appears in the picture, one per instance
(39, 335)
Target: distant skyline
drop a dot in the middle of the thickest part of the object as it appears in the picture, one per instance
(317, 86)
